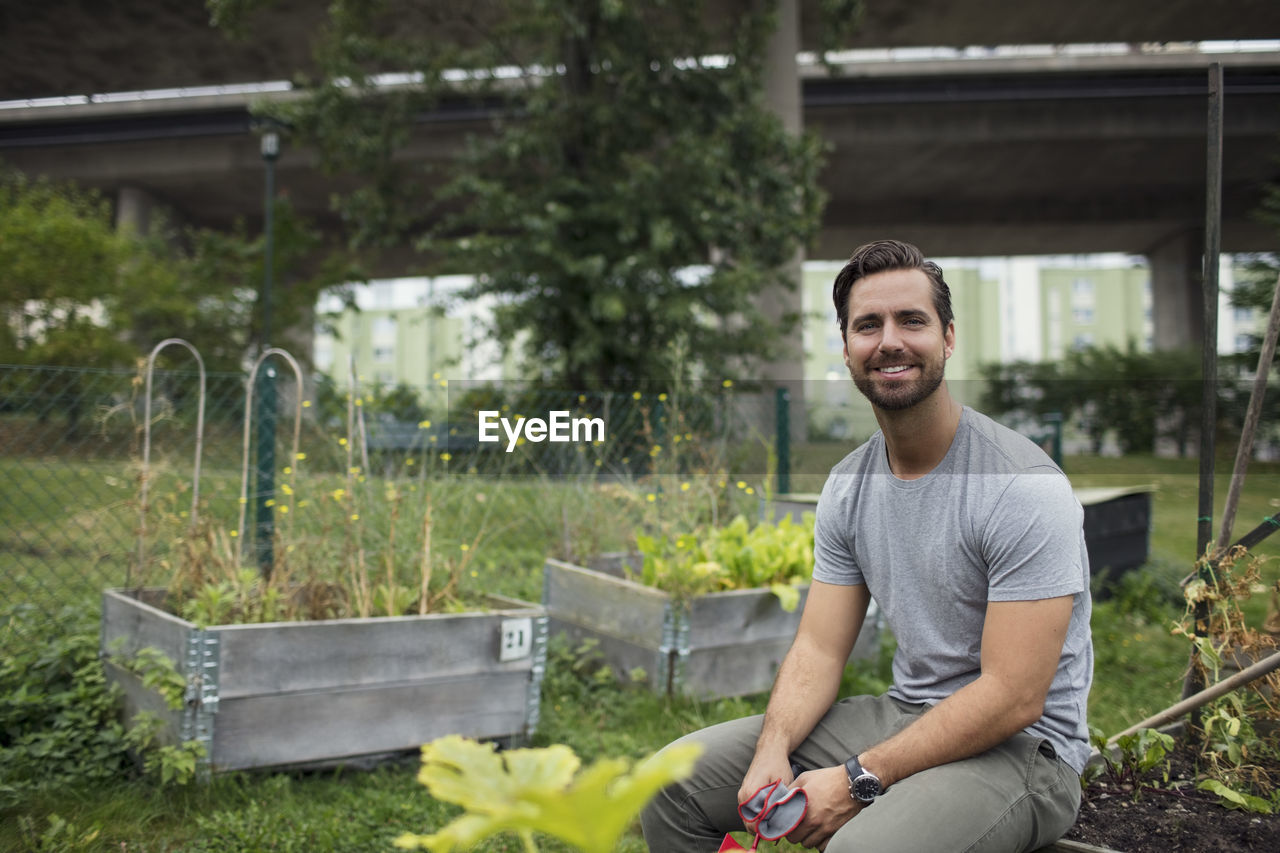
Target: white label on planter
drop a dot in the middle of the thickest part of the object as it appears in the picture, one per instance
(517, 639)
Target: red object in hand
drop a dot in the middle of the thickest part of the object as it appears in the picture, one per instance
(730, 844)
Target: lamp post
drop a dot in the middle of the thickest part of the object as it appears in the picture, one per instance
(264, 513)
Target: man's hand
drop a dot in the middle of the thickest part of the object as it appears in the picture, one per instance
(830, 806)
(764, 769)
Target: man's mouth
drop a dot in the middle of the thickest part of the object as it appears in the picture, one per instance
(895, 369)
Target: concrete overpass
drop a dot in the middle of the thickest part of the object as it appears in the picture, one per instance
(995, 155)
(976, 152)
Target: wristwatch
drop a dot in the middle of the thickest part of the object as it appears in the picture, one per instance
(864, 786)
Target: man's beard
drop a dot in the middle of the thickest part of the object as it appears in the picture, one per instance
(899, 396)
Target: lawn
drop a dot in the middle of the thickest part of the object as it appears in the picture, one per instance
(1138, 671)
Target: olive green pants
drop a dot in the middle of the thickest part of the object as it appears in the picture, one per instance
(1016, 797)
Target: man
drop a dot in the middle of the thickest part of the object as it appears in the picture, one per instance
(971, 542)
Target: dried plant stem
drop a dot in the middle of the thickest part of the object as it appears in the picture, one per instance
(1173, 712)
(424, 597)
(1245, 449)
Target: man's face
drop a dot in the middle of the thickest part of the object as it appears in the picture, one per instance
(895, 346)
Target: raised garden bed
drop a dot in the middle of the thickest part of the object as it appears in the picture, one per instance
(714, 645)
(330, 691)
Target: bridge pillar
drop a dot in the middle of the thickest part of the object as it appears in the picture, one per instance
(1176, 302)
(135, 209)
(783, 97)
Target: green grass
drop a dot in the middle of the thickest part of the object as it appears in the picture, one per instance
(1139, 668)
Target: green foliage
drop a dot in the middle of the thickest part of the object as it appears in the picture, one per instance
(58, 836)
(1133, 756)
(1221, 638)
(527, 791)
(735, 556)
(58, 718)
(598, 186)
(246, 598)
(1137, 397)
(74, 290)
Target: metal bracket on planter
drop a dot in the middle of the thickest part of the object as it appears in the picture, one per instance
(533, 704)
(200, 701)
(674, 650)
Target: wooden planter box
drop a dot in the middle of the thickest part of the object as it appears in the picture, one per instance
(325, 692)
(715, 645)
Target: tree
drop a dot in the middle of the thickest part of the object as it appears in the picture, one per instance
(74, 291)
(634, 190)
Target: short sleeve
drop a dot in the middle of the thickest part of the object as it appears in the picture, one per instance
(1033, 540)
(833, 554)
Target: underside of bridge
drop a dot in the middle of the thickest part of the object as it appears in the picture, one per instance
(1053, 155)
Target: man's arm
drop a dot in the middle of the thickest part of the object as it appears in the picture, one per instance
(808, 679)
(1021, 646)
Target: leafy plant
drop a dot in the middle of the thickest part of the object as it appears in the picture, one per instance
(1132, 756)
(528, 791)
(1221, 637)
(736, 556)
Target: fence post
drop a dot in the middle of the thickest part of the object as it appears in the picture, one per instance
(782, 442)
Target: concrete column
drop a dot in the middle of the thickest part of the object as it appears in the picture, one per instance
(1176, 301)
(134, 209)
(783, 97)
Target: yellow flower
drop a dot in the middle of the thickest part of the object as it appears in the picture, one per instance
(270, 502)
(288, 469)
(306, 404)
(354, 469)
(286, 488)
(651, 497)
(662, 397)
(684, 487)
(582, 398)
(435, 375)
(424, 424)
(244, 501)
(444, 383)
(599, 463)
(410, 461)
(741, 484)
(750, 490)
(655, 450)
(233, 533)
(464, 547)
(445, 457)
(635, 395)
(303, 503)
(355, 516)
(359, 401)
(338, 494)
(728, 383)
(474, 573)
(342, 442)
(301, 456)
(284, 509)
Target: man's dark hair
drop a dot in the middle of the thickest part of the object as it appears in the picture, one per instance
(882, 256)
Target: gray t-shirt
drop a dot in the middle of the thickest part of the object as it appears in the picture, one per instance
(996, 520)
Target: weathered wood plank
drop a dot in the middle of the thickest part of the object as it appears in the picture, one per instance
(301, 656)
(265, 731)
(610, 606)
(138, 698)
(741, 617)
(129, 625)
(623, 656)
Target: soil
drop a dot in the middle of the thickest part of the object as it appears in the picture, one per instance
(1172, 816)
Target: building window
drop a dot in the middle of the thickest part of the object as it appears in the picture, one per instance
(384, 353)
(1082, 316)
(1082, 292)
(1082, 341)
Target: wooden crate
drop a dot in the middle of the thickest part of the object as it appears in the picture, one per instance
(325, 692)
(719, 644)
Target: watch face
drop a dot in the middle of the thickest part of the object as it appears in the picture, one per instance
(866, 788)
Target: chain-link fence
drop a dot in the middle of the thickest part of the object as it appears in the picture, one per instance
(95, 498)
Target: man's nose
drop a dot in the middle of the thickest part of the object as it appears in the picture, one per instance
(890, 338)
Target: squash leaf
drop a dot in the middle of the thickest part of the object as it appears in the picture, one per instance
(539, 790)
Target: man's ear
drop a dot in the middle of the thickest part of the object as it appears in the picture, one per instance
(949, 341)
(846, 356)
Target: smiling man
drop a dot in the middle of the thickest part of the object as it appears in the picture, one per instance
(970, 540)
